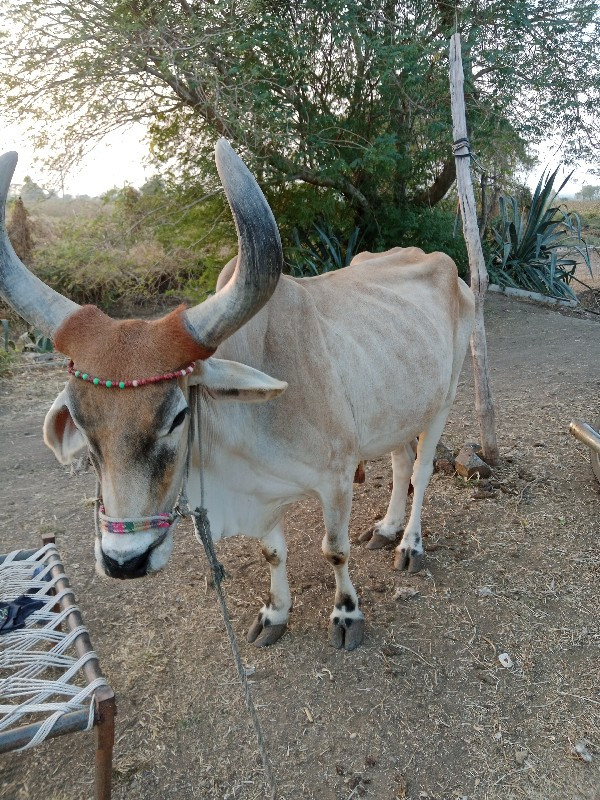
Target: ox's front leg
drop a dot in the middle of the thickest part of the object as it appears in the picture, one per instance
(272, 619)
(410, 554)
(346, 626)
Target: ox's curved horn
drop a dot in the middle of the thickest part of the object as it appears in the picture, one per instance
(40, 305)
(259, 262)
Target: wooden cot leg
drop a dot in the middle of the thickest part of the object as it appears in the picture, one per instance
(106, 710)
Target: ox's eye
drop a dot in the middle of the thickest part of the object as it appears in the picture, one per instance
(178, 420)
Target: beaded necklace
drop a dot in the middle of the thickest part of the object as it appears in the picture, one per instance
(110, 384)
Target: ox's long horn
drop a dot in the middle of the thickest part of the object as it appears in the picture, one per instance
(40, 305)
(260, 256)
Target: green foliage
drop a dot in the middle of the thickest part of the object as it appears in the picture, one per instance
(35, 342)
(431, 229)
(8, 360)
(139, 246)
(350, 99)
(321, 251)
(535, 248)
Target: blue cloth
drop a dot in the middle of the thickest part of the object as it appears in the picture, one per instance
(13, 615)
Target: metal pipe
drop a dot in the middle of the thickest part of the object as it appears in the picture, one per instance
(585, 433)
(18, 737)
(82, 643)
(22, 555)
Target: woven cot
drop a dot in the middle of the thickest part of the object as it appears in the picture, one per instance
(50, 678)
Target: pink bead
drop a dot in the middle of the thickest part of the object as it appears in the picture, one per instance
(134, 383)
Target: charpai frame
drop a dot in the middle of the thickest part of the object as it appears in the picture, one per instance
(102, 710)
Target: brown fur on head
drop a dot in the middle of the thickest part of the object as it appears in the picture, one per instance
(127, 349)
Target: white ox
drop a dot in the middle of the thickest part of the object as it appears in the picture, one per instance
(364, 360)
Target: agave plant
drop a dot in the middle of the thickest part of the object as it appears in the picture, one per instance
(538, 249)
(321, 251)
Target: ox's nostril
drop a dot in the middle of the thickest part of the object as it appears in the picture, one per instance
(135, 567)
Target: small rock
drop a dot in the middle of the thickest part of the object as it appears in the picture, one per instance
(483, 494)
(444, 466)
(505, 660)
(405, 593)
(485, 591)
(443, 459)
(468, 464)
(581, 751)
(520, 757)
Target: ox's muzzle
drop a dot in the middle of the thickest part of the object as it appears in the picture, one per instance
(135, 567)
(118, 539)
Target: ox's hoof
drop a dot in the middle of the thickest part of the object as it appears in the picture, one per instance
(409, 559)
(346, 632)
(377, 538)
(262, 633)
(377, 541)
(365, 536)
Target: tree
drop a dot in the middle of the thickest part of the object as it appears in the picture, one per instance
(349, 99)
(588, 192)
(31, 192)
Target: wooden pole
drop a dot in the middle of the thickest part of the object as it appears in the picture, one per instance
(484, 403)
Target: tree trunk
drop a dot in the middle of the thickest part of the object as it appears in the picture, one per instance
(437, 191)
(484, 403)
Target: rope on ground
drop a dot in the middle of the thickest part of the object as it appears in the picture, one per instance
(202, 531)
(34, 654)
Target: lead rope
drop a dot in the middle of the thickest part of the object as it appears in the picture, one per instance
(202, 532)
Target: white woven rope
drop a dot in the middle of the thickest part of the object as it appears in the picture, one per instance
(38, 674)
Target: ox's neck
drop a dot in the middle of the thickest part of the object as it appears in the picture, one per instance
(236, 472)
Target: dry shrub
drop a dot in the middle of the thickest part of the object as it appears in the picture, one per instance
(19, 231)
(94, 261)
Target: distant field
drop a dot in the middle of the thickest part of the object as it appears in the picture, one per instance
(589, 211)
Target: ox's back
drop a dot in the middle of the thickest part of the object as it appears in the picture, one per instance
(372, 349)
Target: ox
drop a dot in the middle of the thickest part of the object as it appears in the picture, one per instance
(364, 360)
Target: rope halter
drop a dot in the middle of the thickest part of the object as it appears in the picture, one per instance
(157, 522)
(160, 523)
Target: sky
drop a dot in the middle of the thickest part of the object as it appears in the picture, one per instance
(119, 159)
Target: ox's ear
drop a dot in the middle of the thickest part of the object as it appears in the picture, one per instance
(229, 380)
(60, 432)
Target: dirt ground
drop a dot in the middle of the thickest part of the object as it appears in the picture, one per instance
(424, 709)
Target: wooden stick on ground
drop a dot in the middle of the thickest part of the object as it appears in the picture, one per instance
(484, 403)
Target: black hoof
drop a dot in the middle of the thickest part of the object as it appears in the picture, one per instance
(264, 635)
(377, 541)
(365, 536)
(410, 560)
(346, 633)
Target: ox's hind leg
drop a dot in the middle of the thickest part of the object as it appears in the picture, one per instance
(271, 621)
(410, 552)
(385, 531)
(346, 626)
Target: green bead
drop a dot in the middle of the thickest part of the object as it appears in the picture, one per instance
(77, 373)
(84, 376)
(108, 384)
(96, 381)
(122, 385)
